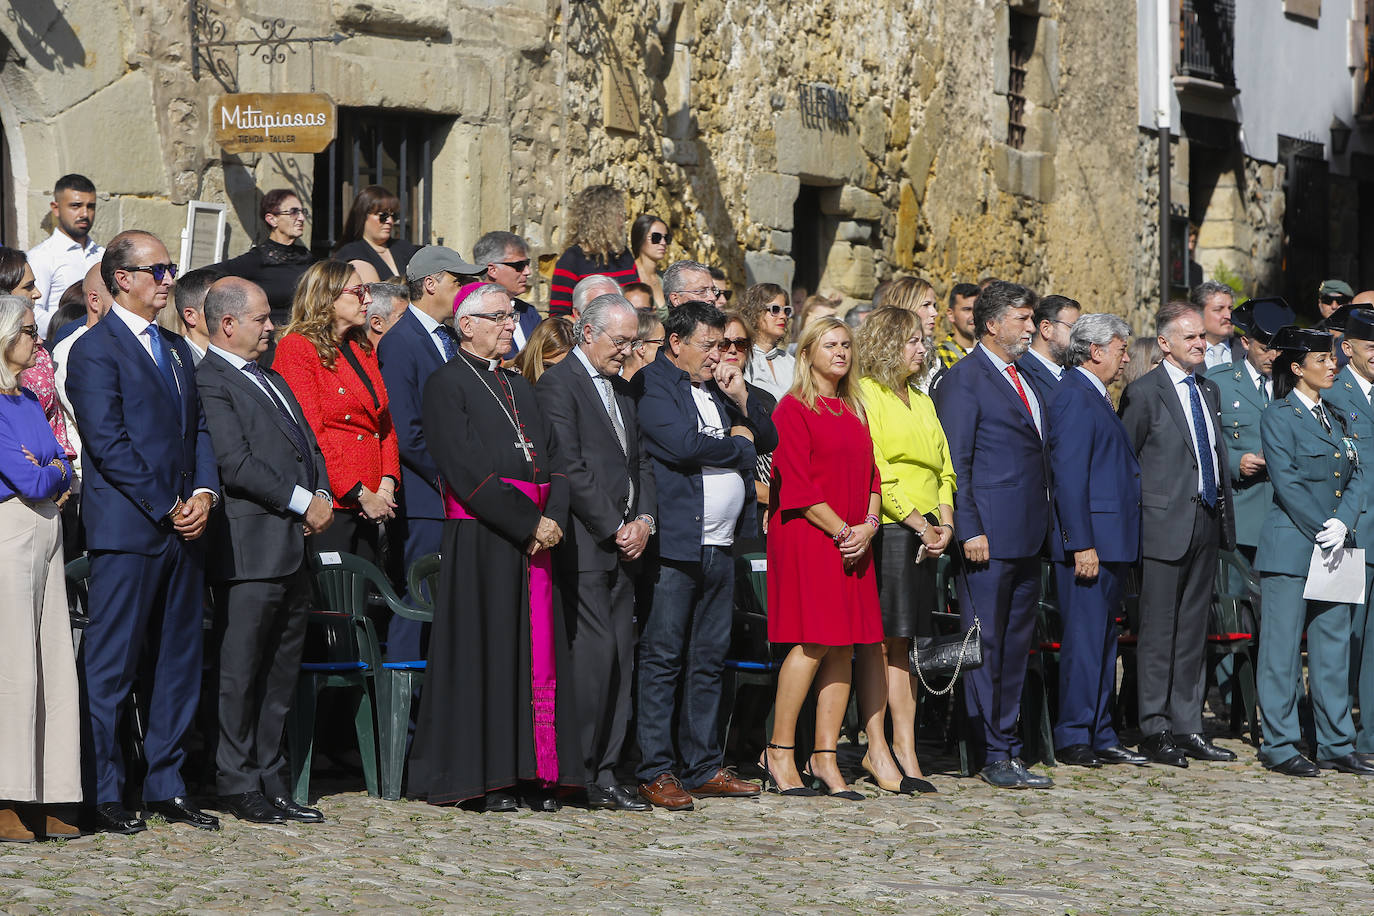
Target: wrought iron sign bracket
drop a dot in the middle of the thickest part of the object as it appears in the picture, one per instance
(271, 43)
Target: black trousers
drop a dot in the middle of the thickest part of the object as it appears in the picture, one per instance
(1175, 599)
(259, 634)
(601, 632)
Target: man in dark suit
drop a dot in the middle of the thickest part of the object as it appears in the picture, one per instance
(1044, 361)
(150, 485)
(417, 344)
(995, 420)
(1099, 537)
(276, 492)
(1171, 416)
(504, 259)
(594, 422)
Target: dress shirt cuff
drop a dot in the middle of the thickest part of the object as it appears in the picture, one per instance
(214, 497)
(300, 500)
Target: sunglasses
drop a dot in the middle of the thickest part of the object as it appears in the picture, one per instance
(386, 216)
(294, 213)
(517, 266)
(360, 291)
(783, 310)
(739, 343)
(157, 270)
(660, 238)
(1338, 300)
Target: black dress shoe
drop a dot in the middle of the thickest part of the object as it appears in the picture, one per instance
(1002, 774)
(1119, 754)
(1077, 755)
(112, 817)
(1160, 748)
(1029, 779)
(541, 800)
(1297, 765)
(1199, 748)
(499, 802)
(294, 812)
(1347, 763)
(179, 810)
(615, 798)
(252, 807)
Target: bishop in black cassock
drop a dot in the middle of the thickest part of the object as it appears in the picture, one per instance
(492, 726)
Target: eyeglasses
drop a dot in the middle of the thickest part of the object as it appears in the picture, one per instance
(783, 310)
(497, 317)
(660, 238)
(517, 266)
(386, 216)
(715, 293)
(157, 270)
(1338, 300)
(360, 291)
(620, 343)
(30, 329)
(294, 213)
(739, 343)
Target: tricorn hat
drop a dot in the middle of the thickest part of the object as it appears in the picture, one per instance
(1260, 319)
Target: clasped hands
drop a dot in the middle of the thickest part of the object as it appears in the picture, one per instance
(189, 517)
(546, 536)
(631, 539)
(856, 543)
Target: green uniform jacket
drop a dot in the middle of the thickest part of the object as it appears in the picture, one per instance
(1346, 398)
(1314, 479)
(1241, 406)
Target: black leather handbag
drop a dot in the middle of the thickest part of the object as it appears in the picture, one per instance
(947, 656)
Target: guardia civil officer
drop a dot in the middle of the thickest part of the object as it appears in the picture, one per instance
(1319, 491)
(1351, 399)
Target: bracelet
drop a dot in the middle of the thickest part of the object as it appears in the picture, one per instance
(873, 520)
(841, 535)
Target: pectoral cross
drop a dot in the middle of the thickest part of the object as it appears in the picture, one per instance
(526, 446)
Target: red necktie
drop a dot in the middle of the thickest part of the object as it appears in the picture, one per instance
(1016, 380)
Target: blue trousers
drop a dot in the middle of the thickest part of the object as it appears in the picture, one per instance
(1087, 656)
(405, 638)
(1362, 666)
(1003, 594)
(136, 601)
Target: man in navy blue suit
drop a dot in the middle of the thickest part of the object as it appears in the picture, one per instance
(151, 481)
(995, 420)
(417, 344)
(1044, 361)
(1099, 536)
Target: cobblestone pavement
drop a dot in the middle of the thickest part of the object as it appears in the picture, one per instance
(1227, 838)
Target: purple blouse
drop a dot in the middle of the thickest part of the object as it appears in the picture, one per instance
(23, 425)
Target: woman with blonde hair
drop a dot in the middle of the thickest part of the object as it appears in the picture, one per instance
(913, 461)
(915, 295)
(822, 591)
(550, 341)
(596, 245)
(327, 359)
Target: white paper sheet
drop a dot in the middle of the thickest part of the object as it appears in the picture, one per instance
(1336, 575)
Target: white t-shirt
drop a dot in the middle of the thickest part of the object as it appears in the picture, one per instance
(722, 488)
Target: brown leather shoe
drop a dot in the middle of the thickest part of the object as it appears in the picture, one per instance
(12, 829)
(54, 828)
(666, 792)
(725, 784)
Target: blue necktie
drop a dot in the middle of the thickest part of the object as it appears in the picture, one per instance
(295, 432)
(164, 362)
(446, 339)
(1204, 445)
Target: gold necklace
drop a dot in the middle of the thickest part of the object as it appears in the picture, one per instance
(820, 399)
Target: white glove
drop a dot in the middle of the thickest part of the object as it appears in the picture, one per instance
(1332, 534)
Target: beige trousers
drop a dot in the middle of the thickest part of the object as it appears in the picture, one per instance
(40, 744)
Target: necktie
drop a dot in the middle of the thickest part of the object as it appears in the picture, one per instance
(164, 362)
(1016, 380)
(1321, 418)
(1204, 444)
(293, 429)
(445, 336)
(1264, 390)
(608, 399)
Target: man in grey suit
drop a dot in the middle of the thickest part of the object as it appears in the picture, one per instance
(594, 423)
(1171, 416)
(276, 492)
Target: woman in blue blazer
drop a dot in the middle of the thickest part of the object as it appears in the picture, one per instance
(1319, 491)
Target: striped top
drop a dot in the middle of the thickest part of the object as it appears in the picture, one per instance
(574, 264)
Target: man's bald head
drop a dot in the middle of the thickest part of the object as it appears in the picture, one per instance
(1364, 298)
(238, 317)
(97, 295)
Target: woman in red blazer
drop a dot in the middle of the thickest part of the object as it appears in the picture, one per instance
(329, 363)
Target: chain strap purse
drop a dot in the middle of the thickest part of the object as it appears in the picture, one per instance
(948, 656)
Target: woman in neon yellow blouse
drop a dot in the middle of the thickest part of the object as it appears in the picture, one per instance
(918, 496)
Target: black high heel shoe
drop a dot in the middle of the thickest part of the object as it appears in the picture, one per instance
(799, 791)
(846, 794)
(905, 786)
(916, 783)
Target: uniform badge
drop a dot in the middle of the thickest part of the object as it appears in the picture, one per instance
(1235, 405)
(1351, 452)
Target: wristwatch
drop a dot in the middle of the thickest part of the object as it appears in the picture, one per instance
(648, 520)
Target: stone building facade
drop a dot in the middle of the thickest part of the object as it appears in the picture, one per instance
(831, 145)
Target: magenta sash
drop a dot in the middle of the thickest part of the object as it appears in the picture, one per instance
(543, 674)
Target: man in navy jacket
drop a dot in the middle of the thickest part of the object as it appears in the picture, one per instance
(151, 481)
(702, 432)
(995, 420)
(1099, 537)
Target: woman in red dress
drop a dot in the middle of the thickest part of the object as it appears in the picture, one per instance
(822, 591)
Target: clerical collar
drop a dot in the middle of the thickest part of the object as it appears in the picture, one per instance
(491, 364)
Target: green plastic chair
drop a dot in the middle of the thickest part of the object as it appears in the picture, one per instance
(340, 612)
(750, 661)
